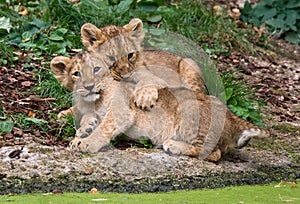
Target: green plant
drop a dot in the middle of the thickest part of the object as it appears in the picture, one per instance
(146, 142)
(282, 17)
(240, 99)
(6, 126)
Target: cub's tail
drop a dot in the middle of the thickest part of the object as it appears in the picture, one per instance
(247, 134)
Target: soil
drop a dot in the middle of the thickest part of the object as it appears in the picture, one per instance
(33, 160)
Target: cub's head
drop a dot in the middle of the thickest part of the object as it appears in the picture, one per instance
(92, 78)
(121, 45)
(86, 74)
(66, 70)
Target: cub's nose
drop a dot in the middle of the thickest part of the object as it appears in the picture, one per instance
(89, 87)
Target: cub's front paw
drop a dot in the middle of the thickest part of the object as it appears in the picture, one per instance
(86, 145)
(83, 132)
(87, 126)
(145, 97)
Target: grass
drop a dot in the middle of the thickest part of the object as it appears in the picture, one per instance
(283, 192)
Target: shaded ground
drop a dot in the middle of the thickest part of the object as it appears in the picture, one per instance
(45, 164)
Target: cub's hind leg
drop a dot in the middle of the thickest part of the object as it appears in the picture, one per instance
(180, 148)
(183, 148)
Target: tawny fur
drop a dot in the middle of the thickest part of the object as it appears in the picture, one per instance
(183, 120)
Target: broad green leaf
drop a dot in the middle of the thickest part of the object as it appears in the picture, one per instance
(5, 24)
(247, 8)
(154, 19)
(39, 23)
(240, 111)
(255, 116)
(34, 31)
(6, 126)
(260, 10)
(55, 37)
(275, 22)
(293, 4)
(229, 92)
(291, 20)
(146, 141)
(61, 31)
(124, 6)
(293, 37)
(35, 121)
(148, 6)
(270, 13)
(232, 101)
(255, 21)
(269, 2)
(26, 36)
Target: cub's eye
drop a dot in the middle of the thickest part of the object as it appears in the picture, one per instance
(112, 58)
(96, 69)
(130, 55)
(77, 74)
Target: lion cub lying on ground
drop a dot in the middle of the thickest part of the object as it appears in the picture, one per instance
(183, 121)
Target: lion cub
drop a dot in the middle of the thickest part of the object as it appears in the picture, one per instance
(145, 95)
(123, 45)
(183, 121)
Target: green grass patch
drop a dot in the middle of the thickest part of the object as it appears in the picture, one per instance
(284, 192)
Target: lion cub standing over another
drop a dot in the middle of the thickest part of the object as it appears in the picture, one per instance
(186, 71)
(123, 46)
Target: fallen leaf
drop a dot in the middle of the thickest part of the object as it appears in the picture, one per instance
(9, 136)
(235, 13)
(26, 83)
(288, 201)
(17, 132)
(94, 191)
(57, 191)
(12, 80)
(31, 114)
(23, 12)
(16, 153)
(99, 199)
(37, 133)
(88, 171)
(2, 176)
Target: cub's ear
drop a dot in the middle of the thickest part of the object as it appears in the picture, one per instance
(60, 66)
(91, 35)
(135, 26)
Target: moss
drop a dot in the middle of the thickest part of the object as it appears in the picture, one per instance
(262, 175)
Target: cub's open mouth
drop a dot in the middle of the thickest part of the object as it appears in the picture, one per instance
(92, 96)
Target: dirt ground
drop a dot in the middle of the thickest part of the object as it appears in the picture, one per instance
(45, 164)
